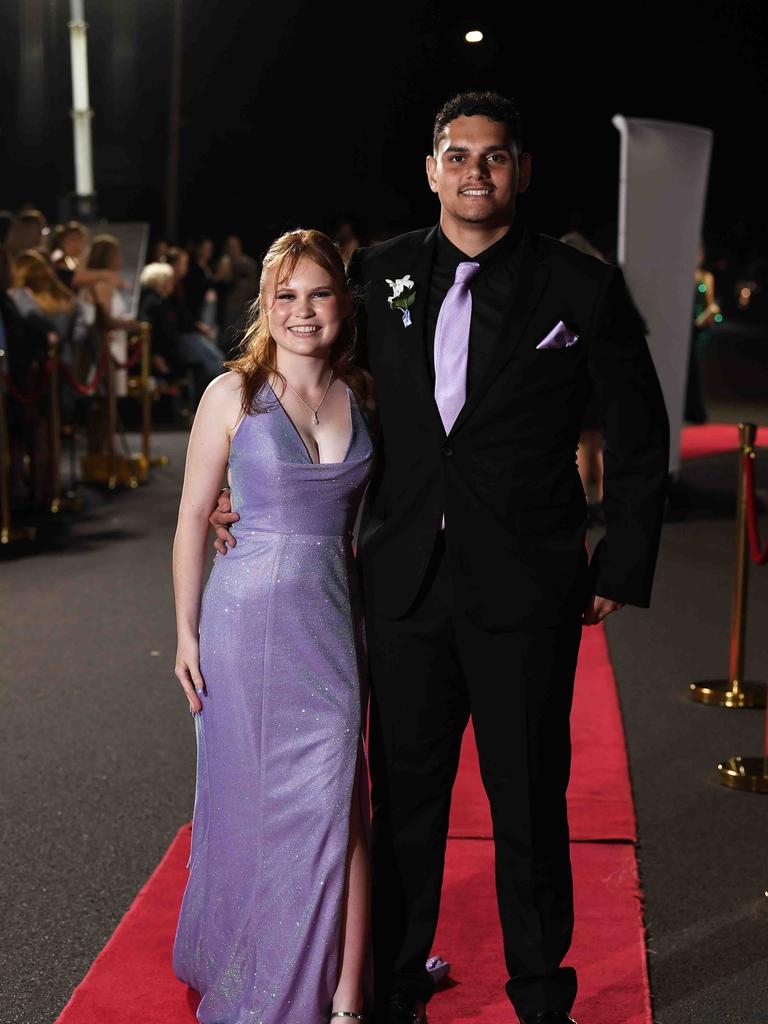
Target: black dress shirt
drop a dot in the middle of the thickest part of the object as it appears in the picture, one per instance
(490, 288)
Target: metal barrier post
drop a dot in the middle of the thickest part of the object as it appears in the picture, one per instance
(735, 692)
(8, 532)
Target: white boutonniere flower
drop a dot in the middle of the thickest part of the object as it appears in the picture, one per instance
(403, 296)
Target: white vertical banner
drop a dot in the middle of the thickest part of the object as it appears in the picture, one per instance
(662, 190)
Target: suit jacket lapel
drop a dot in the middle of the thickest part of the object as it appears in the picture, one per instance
(531, 280)
(413, 338)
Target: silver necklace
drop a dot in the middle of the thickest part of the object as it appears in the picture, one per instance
(314, 412)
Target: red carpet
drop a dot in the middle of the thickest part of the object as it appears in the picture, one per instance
(131, 979)
(713, 438)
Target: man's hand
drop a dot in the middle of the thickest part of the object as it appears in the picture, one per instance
(221, 519)
(597, 608)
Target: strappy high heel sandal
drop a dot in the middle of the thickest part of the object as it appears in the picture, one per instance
(349, 1014)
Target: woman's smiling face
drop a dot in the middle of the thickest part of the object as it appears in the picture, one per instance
(306, 313)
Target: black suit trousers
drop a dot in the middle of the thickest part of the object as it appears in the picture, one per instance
(430, 670)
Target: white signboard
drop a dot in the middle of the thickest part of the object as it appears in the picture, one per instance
(662, 189)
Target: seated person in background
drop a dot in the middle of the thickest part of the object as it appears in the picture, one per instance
(347, 239)
(237, 279)
(178, 259)
(32, 312)
(111, 305)
(157, 283)
(193, 345)
(48, 306)
(68, 245)
(200, 286)
(28, 231)
(41, 298)
(24, 337)
(158, 252)
(6, 219)
(705, 310)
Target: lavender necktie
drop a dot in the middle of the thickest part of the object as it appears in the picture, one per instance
(451, 346)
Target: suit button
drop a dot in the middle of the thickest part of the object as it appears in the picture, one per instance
(447, 449)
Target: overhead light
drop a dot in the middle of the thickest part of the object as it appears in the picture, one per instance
(475, 36)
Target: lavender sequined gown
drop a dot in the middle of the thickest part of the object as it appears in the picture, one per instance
(279, 737)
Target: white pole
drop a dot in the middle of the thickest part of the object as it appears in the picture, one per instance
(620, 123)
(81, 110)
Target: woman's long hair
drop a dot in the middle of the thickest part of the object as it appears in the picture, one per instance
(257, 358)
(103, 253)
(33, 271)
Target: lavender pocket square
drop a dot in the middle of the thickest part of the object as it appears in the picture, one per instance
(559, 337)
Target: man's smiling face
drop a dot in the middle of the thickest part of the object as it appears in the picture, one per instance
(477, 172)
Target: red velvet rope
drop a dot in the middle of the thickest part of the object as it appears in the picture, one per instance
(29, 397)
(131, 361)
(85, 389)
(758, 554)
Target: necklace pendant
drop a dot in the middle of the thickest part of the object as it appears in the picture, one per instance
(315, 419)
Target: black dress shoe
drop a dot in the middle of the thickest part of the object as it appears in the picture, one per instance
(402, 1011)
(549, 1017)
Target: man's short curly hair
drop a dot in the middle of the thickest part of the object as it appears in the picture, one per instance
(488, 104)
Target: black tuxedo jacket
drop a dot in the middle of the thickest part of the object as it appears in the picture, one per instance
(506, 475)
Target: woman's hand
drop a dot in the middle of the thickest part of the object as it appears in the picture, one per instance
(207, 452)
(188, 673)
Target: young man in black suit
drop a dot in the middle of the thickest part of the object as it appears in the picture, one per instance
(472, 545)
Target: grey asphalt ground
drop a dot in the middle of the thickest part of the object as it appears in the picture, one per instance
(96, 738)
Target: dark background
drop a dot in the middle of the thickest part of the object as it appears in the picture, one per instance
(302, 113)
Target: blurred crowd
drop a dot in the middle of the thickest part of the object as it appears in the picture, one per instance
(64, 288)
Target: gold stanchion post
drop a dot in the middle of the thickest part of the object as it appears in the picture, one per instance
(146, 398)
(749, 773)
(108, 466)
(109, 380)
(71, 501)
(145, 336)
(54, 427)
(8, 532)
(735, 692)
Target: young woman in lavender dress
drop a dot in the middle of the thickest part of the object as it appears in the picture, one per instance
(275, 916)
